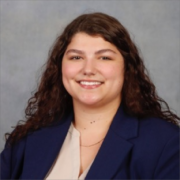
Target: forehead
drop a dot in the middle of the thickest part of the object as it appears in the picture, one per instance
(84, 41)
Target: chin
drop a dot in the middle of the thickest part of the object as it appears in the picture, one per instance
(90, 102)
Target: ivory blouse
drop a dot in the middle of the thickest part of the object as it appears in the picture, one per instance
(67, 164)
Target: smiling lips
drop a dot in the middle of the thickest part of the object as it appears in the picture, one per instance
(90, 84)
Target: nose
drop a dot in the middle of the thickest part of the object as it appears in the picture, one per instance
(89, 68)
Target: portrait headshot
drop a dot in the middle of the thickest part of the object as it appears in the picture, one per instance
(90, 89)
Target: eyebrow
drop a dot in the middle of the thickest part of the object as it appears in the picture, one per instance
(97, 52)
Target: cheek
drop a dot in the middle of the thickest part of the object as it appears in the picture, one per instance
(114, 72)
(65, 75)
(68, 71)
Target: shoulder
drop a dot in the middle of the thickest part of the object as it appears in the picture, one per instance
(156, 148)
(158, 128)
(32, 149)
(155, 133)
(12, 159)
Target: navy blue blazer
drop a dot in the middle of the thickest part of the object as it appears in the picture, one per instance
(133, 149)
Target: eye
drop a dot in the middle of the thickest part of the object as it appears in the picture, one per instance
(75, 57)
(105, 58)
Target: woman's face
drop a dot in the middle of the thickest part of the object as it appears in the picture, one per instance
(93, 71)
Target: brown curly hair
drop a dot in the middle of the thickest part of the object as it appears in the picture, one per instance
(139, 97)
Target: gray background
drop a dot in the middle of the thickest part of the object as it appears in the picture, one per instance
(29, 28)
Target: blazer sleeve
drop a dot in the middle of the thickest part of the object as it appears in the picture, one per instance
(12, 160)
(168, 164)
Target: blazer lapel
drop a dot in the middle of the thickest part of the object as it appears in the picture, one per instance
(42, 149)
(114, 153)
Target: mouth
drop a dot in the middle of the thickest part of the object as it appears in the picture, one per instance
(90, 84)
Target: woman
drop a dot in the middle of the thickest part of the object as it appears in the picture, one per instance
(96, 114)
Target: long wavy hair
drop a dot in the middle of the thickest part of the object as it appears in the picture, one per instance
(139, 97)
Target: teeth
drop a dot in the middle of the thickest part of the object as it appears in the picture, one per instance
(89, 83)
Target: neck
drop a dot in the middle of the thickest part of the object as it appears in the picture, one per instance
(94, 120)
